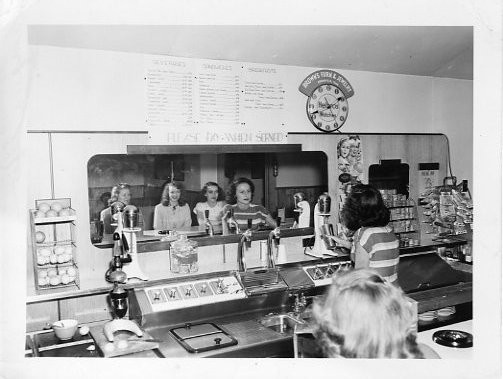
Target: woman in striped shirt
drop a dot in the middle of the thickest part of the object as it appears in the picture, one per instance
(374, 244)
(240, 200)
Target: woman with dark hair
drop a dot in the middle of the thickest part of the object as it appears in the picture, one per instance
(240, 197)
(374, 244)
(173, 212)
(213, 203)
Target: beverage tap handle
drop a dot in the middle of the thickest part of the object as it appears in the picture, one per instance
(207, 223)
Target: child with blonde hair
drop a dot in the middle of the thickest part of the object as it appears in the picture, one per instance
(365, 316)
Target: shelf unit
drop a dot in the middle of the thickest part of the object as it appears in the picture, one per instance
(53, 246)
(403, 219)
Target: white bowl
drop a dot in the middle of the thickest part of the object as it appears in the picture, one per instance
(65, 329)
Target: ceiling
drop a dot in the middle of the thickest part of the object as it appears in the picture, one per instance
(438, 51)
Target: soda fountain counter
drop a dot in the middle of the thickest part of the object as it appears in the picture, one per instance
(218, 314)
(213, 300)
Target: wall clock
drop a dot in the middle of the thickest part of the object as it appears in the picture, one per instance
(327, 99)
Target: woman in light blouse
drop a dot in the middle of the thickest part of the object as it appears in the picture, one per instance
(173, 212)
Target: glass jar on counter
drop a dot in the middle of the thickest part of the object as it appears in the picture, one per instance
(183, 256)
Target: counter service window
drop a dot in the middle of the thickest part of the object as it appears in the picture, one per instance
(139, 179)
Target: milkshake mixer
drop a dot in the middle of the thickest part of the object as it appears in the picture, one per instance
(119, 302)
(130, 226)
(322, 245)
(116, 274)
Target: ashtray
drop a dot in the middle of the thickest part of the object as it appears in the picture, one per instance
(453, 338)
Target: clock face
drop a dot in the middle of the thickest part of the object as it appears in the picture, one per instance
(327, 108)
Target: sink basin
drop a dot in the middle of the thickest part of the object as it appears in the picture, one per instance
(281, 323)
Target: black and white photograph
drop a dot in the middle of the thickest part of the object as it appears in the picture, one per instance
(318, 183)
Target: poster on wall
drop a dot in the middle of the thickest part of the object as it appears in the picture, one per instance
(203, 101)
(349, 169)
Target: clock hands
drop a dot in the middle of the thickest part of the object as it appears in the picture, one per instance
(325, 108)
(327, 105)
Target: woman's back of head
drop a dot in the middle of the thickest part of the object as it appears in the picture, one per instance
(363, 316)
(364, 207)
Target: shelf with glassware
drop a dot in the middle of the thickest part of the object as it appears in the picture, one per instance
(403, 217)
(446, 214)
(52, 226)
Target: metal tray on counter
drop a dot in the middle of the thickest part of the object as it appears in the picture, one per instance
(46, 344)
(196, 338)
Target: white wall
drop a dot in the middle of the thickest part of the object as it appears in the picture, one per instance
(453, 115)
(81, 89)
(78, 89)
(87, 90)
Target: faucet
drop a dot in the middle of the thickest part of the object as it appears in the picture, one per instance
(207, 223)
(245, 237)
(229, 221)
(300, 304)
(274, 234)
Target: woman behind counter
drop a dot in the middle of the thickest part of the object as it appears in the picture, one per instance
(374, 244)
(120, 192)
(172, 212)
(214, 204)
(240, 198)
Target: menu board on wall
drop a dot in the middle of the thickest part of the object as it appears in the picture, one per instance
(218, 93)
(209, 95)
(263, 95)
(169, 85)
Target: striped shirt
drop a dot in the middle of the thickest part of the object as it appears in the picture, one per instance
(381, 245)
(256, 213)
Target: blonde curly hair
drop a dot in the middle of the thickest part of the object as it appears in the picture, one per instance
(364, 316)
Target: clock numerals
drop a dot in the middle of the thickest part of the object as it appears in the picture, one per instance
(327, 108)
